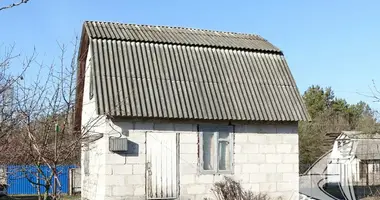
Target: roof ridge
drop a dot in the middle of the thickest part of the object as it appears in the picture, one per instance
(177, 35)
(179, 27)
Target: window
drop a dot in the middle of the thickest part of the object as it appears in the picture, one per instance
(216, 149)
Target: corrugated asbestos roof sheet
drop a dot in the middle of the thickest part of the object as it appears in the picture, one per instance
(143, 76)
(329, 139)
(176, 35)
(368, 149)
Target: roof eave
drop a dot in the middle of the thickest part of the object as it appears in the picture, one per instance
(81, 61)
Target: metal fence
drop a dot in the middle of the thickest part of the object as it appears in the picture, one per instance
(22, 179)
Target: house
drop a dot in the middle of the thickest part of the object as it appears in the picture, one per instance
(349, 170)
(355, 159)
(314, 180)
(169, 111)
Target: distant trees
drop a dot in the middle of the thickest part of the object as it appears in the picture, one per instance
(330, 114)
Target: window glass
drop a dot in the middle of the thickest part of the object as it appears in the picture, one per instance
(223, 135)
(224, 155)
(208, 150)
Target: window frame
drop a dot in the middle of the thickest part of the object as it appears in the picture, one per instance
(215, 130)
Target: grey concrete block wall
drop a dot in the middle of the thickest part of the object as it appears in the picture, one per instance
(126, 171)
(92, 184)
(112, 175)
(265, 160)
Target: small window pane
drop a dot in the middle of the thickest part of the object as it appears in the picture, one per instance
(224, 155)
(223, 135)
(208, 151)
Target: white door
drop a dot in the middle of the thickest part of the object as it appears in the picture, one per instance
(162, 165)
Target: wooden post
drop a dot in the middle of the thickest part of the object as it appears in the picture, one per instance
(71, 177)
(373, 173)
(367, 167)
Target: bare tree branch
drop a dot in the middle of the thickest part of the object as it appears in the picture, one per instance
(41, 104)
(13, 5)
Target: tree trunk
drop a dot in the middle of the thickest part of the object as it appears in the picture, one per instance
(46, 194)
(38, 187)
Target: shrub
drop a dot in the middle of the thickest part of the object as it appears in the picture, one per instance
(229, 189)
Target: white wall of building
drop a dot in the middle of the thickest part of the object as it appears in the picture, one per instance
(265, 160)
(92, 184)
(345, 168)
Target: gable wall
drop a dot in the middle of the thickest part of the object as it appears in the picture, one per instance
(92, 186)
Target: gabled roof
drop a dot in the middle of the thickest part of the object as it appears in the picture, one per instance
(357, 135)
(180, 73)
(365, 146)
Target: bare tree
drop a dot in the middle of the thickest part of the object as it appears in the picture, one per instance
(44, 135)
(13, 4)
(8, 82)
(375, 94)
(370, 123)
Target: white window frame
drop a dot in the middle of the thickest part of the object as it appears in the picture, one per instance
(216, 129)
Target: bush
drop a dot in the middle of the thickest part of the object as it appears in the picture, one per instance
(229, 189)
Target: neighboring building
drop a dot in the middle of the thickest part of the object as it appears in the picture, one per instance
(170, 111)
(355, 159)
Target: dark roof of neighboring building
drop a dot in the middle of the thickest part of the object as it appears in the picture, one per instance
(181, 73)
(329, 139)
(368, 149)
(361, 135)
(365, 146)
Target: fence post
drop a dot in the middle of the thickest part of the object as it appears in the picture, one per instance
(70, 181)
